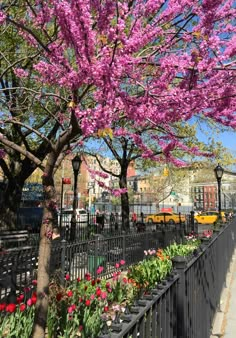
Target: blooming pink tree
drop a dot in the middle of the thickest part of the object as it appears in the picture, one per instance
(151, 61)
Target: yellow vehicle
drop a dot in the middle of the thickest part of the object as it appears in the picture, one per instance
(209, 217)
(165, 217)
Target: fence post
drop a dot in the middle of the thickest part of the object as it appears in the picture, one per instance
(95, 256)
(12, 294)
(179, 263)
(146, 246)
(192, 221)
(123, 247)
(63, 259)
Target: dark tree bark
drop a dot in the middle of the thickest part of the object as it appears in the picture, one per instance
(10, 204)
(49, 219)
(124, 199)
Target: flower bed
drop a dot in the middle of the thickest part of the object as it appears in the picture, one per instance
(81, 308)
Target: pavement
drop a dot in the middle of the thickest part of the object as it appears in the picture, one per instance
(225, 319)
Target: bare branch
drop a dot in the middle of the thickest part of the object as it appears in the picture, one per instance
(22, 151)
(35, 92)
(13, 121)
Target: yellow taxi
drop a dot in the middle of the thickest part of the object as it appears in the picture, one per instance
(209, 217)
(165, 217)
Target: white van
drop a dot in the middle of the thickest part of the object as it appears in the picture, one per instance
(81, 215)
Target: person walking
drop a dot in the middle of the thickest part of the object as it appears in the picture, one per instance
(134, 219)
(112, 221)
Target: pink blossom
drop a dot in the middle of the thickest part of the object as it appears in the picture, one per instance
(104, 295)
(122, 262)
(2, 17)
(71, 308)
(29, 302)
(100, 270)
(21, 72)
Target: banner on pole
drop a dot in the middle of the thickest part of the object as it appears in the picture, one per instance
(66, 180)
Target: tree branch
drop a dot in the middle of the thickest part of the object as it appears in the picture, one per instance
(22, 151)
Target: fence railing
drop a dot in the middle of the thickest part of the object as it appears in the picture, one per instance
(184, 305)
(111, 226)
(18, 266)
(181, 306)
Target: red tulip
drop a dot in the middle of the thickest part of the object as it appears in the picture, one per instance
(87, 303)
(2, 306)
(70, 293)
(11, 308)
(59, 297)
(98, 292)
(22, 307)
(20, 298)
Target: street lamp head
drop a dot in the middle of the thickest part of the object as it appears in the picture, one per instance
(76, 163)
(219, 171)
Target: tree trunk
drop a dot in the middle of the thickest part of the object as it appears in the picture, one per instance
(10, 205)
(124, 202)
(49, 219)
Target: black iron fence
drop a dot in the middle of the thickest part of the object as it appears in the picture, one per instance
(18, 266)
(184, 305)
(109, 224)
(181, 306)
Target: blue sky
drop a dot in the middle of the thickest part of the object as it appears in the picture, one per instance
(228, 139)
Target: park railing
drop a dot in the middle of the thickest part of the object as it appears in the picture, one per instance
(181, 306)
(184, 305)
(111, 225)
(18, 266)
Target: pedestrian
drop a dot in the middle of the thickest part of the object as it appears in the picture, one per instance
(134, 219)
(112, 220)
(56, 236)
(116, 221)
(142, 216)
(99, 221)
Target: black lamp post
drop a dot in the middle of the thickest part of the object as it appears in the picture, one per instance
(76, 163)
(219, 171)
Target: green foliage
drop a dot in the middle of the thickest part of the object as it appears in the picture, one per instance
(151, 270)
(181, 249)
(79, 307)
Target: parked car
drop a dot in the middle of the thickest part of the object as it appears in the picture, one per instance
(165, 217)
(81, 216)
(209, 217)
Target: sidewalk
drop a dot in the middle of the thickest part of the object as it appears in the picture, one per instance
(225, 320)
